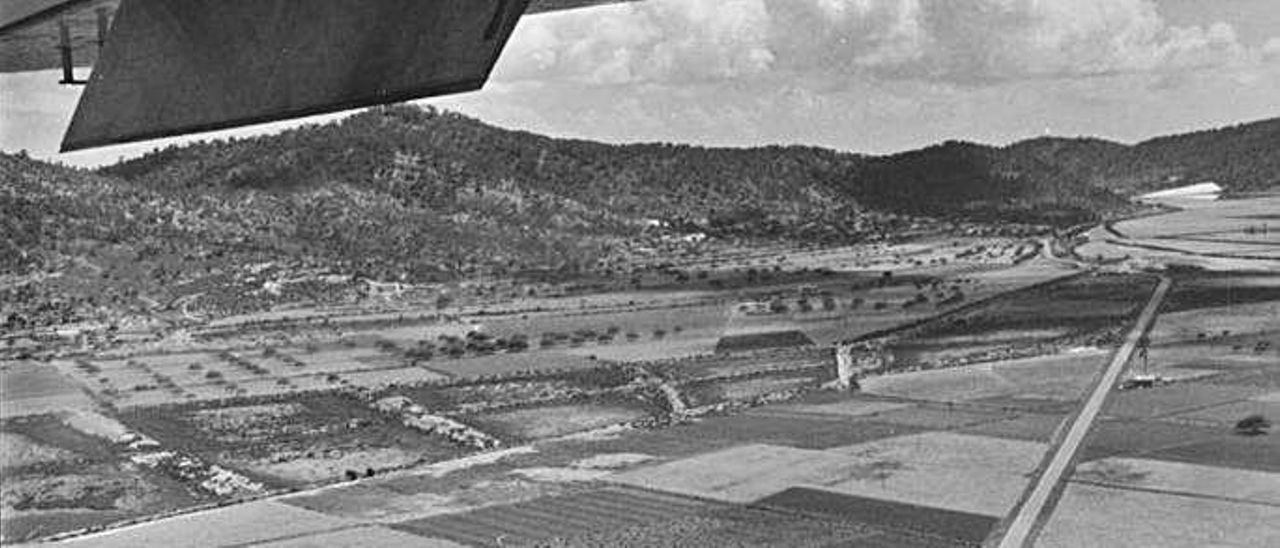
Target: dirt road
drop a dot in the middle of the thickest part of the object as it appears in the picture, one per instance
(1029, 515)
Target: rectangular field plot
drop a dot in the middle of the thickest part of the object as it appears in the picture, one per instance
(793, 431)
(505, 364)
(762, 341)
(334, 360)
(961, 473)
(626, 516)
(702, 393)
(385, 377)
(556, 420)
(688, 345)
(1228, 414)
(1190, 479)
(945, 525)
(63, 473)
(1173, 399)
(1027, 426)
(1246, 452)
(837, 409)
(937, 418)
(746, 364)
(1062, 378)
(290, 441)
(359, 537)
(1121, 438)
(233, 525)
(33, 389)
(1090, 515)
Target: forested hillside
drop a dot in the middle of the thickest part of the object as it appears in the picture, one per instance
(1241, 158)
(429, 158)
(416, 195)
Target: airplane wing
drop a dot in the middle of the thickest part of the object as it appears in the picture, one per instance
(170, 68)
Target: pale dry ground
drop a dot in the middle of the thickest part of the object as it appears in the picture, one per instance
(1091, 515)
(1198, 216)
(1144, 258)
(1223, 219)
(18, 450)
(545, 422)
(362, 537)
(1270, 397)
(31, 389)
(1190, 479)
(246, 523)
(385, 377)
(1061, 377)
(942, 470)
(96, 424)
(1238, 319)
(322, 468)
(742, 390)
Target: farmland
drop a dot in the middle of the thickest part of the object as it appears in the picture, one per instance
(685, 408)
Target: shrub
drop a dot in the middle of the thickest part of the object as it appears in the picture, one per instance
(1253, 425)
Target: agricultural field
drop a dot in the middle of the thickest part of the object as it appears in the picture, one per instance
(620, 516)
(1087, 516)
(743, 364)
(300, 440)
(550, 421)
(59, 478)
(962, 473)
(685, 407)
(28, 388)
(1084, 311)
(1226, 235)
(1060, 377)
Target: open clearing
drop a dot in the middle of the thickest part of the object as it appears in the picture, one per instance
(1190, 479)
(544, 422)
(31, 389)
(307, 439)
(939, 470)
(233, 525)
(1091, 515)
(362, 537)
(1060, 377)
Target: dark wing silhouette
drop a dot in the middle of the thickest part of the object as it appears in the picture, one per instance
(174, 67)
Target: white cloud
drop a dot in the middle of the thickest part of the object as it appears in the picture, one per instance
(680, 41)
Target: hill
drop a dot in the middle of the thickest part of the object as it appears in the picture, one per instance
(421, 196)
(1241, 158)
(428, 158)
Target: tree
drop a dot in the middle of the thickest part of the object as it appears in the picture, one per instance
(1253, 425)
(777, 306)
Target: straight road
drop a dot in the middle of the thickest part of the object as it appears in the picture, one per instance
(1024, 523)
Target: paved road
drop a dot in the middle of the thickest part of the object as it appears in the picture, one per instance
(1024, 523)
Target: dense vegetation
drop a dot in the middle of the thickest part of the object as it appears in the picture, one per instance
(407, 194)
(1241, 158)
(450, 163)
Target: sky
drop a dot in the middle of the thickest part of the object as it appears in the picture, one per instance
(872, 76)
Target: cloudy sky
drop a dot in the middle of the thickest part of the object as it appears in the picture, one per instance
(871, 76)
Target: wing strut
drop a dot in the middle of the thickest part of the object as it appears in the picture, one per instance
(64, 48)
